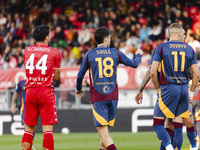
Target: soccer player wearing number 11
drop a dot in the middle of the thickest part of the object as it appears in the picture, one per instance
(42, 64)
(175, 58)
(102, 64)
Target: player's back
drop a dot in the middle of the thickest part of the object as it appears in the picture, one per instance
(176, 58)
(39, 62)
(103, 63)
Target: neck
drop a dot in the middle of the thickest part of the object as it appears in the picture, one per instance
(174, 39)
(45, 43)
(103, 44)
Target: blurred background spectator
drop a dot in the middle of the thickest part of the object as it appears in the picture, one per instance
(73, 23)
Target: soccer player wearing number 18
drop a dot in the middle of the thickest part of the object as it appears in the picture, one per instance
(102, 64)
(42, 64)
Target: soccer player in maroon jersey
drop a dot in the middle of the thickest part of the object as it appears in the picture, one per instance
(42, 65)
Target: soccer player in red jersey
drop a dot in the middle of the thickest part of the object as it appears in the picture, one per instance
(42, 65)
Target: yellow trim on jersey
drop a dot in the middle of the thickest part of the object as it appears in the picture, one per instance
(22, 107)
(159, 68)
(111, 122)
(99, 118)
(91, 76)
(163, 67)
(164, 108)
(185, 114)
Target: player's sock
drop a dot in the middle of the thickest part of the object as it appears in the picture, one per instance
(28, 138)
(158, 126)
(170, 132)
(111, 147)
(178, 135)
(191, 134)
(169, 147)
(48, 141)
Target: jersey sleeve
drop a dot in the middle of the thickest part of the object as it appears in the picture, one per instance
(127, 61)
(83, 68)
(194, 60)
(151, 60)
(157, 55)
(57, 59)
(17, 88)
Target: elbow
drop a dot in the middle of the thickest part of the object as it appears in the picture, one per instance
(196, 76)
(152, 73)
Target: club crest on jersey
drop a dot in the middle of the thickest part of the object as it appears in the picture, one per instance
(105, 89)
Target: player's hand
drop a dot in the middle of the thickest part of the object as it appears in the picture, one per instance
(190, 94)
(79, 93)
(139, 97)
(157, 91)
(139, 51)
(13, 109)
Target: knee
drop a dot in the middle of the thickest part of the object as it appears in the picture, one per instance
(189, 123)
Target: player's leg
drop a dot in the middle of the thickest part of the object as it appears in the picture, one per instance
(30, 119)
(169, 128)
(48, 141)
(182, 111)
(103, 132)
(102, 145)
(165, 108)
(27, 140)
(104, 116)
(178, 134)
(48, 114)
(191, 133)
(158, 126)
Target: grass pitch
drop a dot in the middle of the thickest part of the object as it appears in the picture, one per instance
(90, 141)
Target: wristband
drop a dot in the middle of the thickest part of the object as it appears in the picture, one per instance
(191, 95)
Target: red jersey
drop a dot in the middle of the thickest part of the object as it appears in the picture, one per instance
(40, 61)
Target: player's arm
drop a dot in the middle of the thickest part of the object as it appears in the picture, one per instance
(14, 98)
(129, 62)
(57, 65)
(154, 75)
(83, 68)
(195, 79)
(145, 80)
(56, 74)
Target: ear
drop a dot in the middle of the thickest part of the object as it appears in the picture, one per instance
(106, 40)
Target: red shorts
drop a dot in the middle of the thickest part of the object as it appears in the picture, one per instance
(40, 101)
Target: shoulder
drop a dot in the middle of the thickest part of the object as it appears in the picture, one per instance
(21, 82)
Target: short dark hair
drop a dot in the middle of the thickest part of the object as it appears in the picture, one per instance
(40, 32)
(100, 34)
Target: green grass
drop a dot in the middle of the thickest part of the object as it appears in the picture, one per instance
(90, 141)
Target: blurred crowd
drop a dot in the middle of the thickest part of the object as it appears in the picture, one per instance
(73, 22)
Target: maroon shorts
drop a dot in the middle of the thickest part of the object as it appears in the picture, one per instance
(40, 101)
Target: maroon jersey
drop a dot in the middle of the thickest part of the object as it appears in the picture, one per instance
(40, 61)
